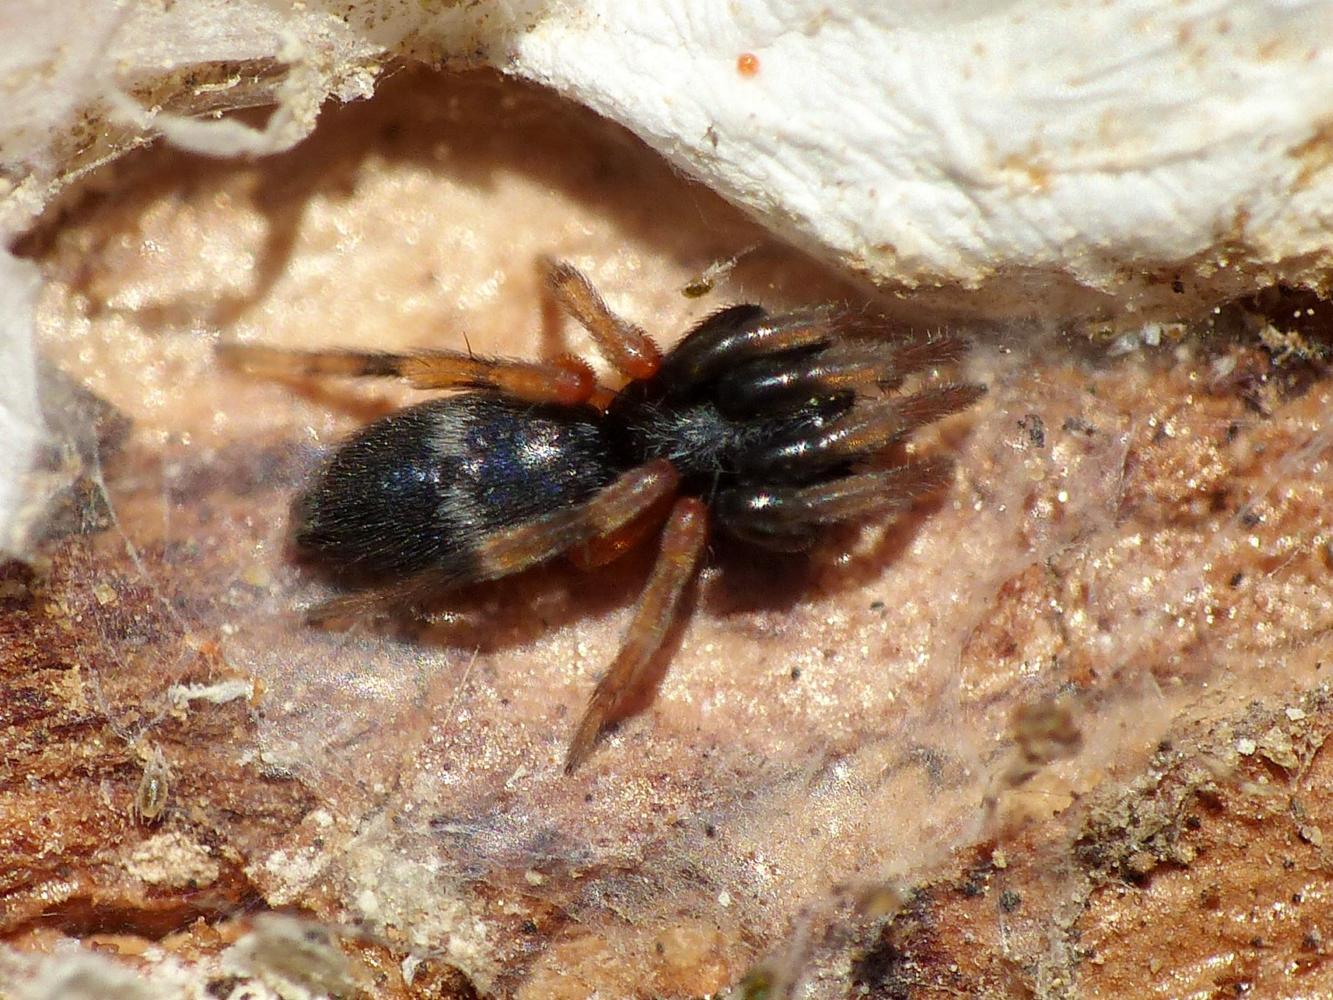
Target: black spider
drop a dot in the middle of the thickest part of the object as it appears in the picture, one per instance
(759, 423)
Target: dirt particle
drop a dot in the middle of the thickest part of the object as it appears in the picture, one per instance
(1035, 428)
(1141, 864)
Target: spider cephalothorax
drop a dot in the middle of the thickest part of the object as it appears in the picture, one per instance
(759, 424)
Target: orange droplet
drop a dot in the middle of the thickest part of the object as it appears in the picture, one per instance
(747, 64)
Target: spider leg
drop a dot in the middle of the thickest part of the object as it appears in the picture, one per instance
(562, 380)
(740, 333)
(861, 431)
(628, 349)
(677, 561)
(511, 550)
(793, 512)
(604, 549)
(790, 540)
(849, 365)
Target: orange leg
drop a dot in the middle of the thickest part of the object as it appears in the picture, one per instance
(628, 498)
(628, 349)
(608, 548)
(563, 380)
(682, 548)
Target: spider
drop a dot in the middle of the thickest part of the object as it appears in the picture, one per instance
(754, 425)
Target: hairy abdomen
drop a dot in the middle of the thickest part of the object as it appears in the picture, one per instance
(423, 487)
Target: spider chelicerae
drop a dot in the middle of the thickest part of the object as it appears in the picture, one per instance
(755, 425)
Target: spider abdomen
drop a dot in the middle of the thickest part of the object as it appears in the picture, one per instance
(423, 487)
